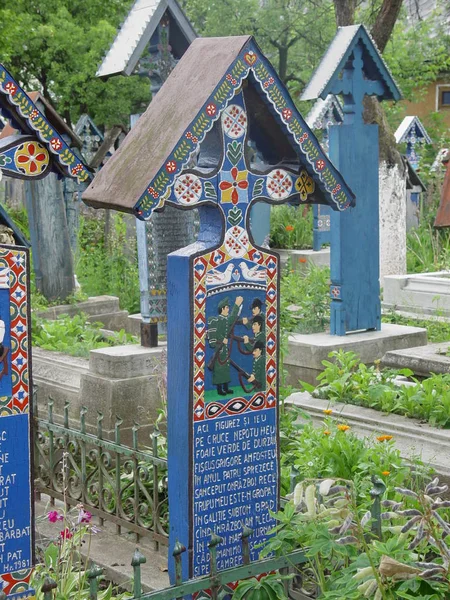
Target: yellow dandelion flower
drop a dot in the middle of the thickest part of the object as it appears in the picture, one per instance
(384, 438)
(328, 411)
(385, 473)
(326, 432)
(343, 427)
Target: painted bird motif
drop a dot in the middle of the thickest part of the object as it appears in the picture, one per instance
(252, 273)
(215, 277)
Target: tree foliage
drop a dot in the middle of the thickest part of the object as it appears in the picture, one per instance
(56, 46)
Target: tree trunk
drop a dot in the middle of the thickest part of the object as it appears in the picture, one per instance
(52, 256)
(385, 21)
(345, 12)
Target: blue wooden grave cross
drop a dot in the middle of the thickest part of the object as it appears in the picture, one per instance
(222, 100)
(353, 68)
(35, 152)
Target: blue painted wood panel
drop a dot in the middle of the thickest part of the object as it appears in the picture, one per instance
(355, 268)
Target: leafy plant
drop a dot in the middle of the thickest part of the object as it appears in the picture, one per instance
(108, 266)
(75, 335)
(305, 300)
(346, 379)
(268, 587)
(290, 228)
(437, 330)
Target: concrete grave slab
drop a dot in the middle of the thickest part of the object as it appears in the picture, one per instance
(423, 360)
(423, 293)
(307, 351)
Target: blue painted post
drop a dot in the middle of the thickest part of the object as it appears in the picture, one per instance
(353, 68)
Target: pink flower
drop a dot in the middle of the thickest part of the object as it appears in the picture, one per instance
(84, 516)
(54, 516)
(65, 534)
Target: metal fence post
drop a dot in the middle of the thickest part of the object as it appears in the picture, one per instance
(136, 562)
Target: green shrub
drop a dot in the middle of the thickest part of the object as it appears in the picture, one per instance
(108, 268)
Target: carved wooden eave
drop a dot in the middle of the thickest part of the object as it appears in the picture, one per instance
(337, 56)
(141, 173)
(48, 129)
(136, 31)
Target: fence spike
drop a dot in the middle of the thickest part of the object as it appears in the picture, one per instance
(83, 411)
(136, 562)
(246, 533)
(135, 430)
(48, 586)
(376, 493)
(212, 545)
(119, 422)
(50, 409)
(94, 572)
(99, 425)
(66, 414)
(178, 550)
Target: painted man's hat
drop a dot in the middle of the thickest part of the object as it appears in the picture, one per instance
(223, 303)
(256, 303)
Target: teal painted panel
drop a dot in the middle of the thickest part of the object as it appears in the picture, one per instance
(355, 268)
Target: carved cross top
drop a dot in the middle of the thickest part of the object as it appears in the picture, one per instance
(234, 186)
(354, 86)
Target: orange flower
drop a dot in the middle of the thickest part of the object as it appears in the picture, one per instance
(385, 473)
(326, 432)
(343, 427)
(302, 259)
(384, 438)
(328, 411)
(289, 228)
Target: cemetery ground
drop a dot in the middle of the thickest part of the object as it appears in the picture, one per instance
(354, 483)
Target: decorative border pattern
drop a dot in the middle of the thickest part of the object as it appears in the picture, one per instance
(17, 584)
(249, 60)
(57, 147)
(201, 265)
(15, 260)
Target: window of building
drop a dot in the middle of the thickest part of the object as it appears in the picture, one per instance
(445, 98)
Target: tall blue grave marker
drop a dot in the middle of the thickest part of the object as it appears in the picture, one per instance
(35, 152)
(413, 134)
(222, 101)
(323, 115)
(353, 67)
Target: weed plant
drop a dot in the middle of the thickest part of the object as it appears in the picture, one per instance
(108, 267)
(309, 292)
(346, 379)
(437, 331)
(75, 335)
(291, 228)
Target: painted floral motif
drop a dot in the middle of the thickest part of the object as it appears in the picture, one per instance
(171, 166)
(56, 144)
(4, 160)
(233, 186)
(250, 58)
(279, 184)
(287, 114)
(236, 241)
(31, 158)
(188, 189)
(304, 185)
(234, 121)
(11, 88)
(211, 109)
(320, 164)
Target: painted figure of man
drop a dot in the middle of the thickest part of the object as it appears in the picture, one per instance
(258, 376)
(256, 308)
(219, 329)
(258, 333)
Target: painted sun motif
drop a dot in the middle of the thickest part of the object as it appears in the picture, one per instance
(31, 158)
